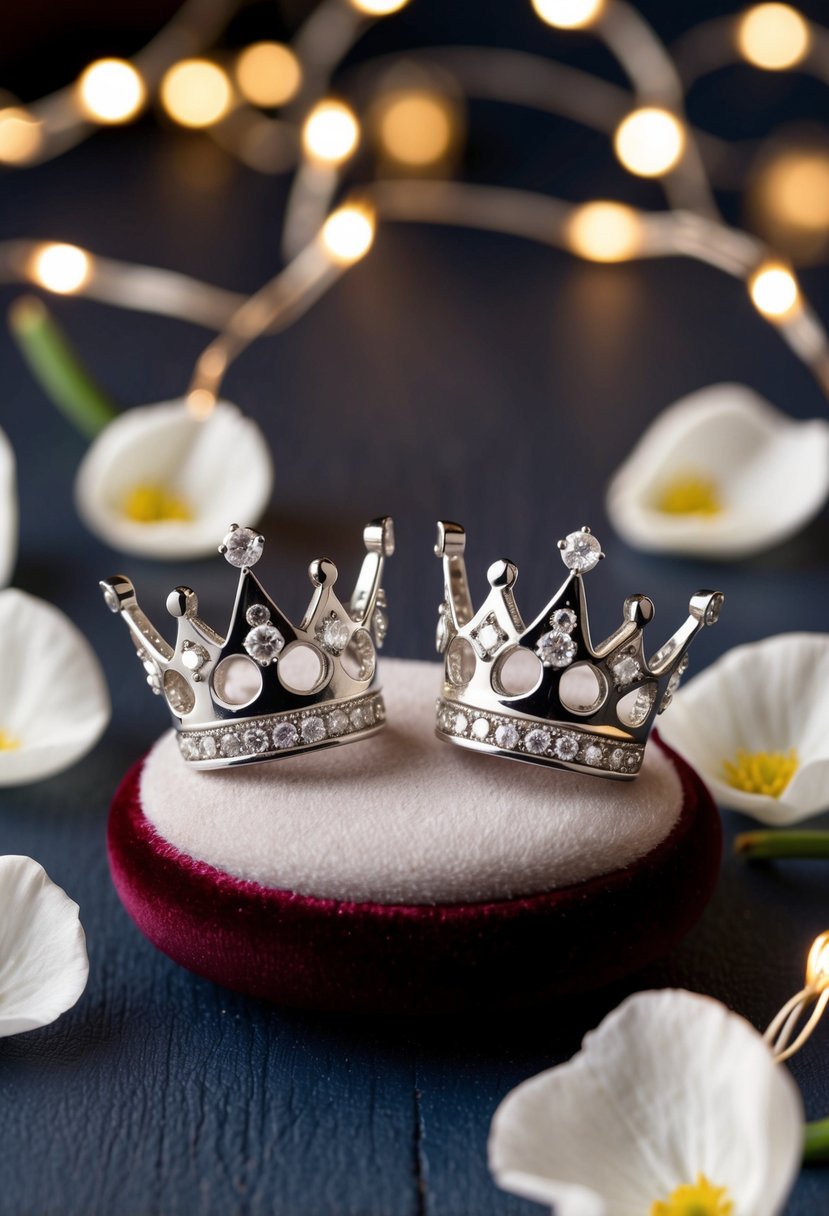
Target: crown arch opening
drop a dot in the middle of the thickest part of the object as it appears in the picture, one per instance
(303, 668)
(517, 672)
(179, 694)
(358, 659)
(582, 689)
(460, 662)
(634, 708)
(237, 681)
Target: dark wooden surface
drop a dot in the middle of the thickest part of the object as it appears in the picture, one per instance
(452, 374)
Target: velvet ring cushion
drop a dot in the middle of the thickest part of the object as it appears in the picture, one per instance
(405, 875)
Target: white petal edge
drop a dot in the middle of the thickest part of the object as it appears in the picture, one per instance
(43, 960)
(53, 695)
(671, 1084)
(8, 510)
(772, 471)
(222, 467)
(771, 695)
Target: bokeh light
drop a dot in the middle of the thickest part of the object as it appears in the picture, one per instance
(60, 268)
(196, 93)
(604, 232)
(330, 133)
(21, 136)
(773, 36)
(417, 127)
(348, 233)
(649, 141)
(111, 91)
(774, 291)
(378, 8)
(569, 14)
(268, 74)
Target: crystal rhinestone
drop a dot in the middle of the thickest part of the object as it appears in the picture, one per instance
(556, 649)
(242, 547)
(263, 643)
(489, 637)
(617, 757)
(230, 744)
(208, 747)
(593, 754)
(626, 669)
(189, 746)
(150, 667)
(580, 551)
(255, 739)
(313, 729)
(564, 620)
(567, 747)
(258, 614)
(334, 635)
(480, 728)
(368, 713)
(194, 657)
(285, 735)
(358, 718)
(337, 722)
(507, 736)
(460, 724)
(632, 760)
(537, 741)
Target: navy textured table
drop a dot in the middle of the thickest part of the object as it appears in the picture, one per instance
(451, 374)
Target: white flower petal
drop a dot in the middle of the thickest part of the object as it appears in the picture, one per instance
(43, 961)
(671, 1085)
(767, 696)
(53, 697)
(221, 467)
(772, 474)
(8, 510)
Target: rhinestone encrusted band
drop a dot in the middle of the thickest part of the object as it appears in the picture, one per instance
(243, 740)
(530, 739)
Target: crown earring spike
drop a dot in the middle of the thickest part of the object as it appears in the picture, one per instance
(267, 689)
(543, 692)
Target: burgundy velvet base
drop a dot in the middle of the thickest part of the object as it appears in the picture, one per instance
(330, 954)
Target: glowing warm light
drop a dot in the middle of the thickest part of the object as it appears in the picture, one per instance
(20, 136)
(348, 233)
(416, 128)
(604, 232)
(569, 14)
(817, 965)
(196, 93)
(111, 91)
(795, 188)
(268, 74)
(378, 8)
(774, 291)
(650, 141)
(201, 403)
(330, 133)
(773, 36)
(60, 268)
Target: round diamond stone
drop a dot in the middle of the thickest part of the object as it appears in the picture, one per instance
(313, 729)
(258, 614)
(580, 551)
(617, 757)
(507, 736)
(564, 620)
(460, 724)
(256, 740)
(208, 747)
(632, 760)
(242, 547)
(480, 728)
(489, 637)
(264, 643)
(285, 735)
(368, 713)
(567, 747)
(230, 744)
(358, 718)
(334, 635)
(626, 669)
(337, 722)
(593, 754)
(537, 741)
(556, 649)
(189, 747)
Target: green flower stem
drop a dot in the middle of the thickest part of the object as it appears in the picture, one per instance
(816, 1145)
(763, 846)
(57, 368)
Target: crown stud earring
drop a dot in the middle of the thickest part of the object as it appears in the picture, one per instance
(267, 689)
(543, 692)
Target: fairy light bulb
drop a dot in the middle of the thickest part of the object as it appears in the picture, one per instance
(569, 14)
(196, 93)
(416, 128)
(604, 232)
(774, 291)
(348, 233)
(330, 133)
(63, 269)
(268, 74)
(817, 964)
(21, 136)
(773, 37)
(649, 141)
(111, 91)
(378, 8)
(795, 189)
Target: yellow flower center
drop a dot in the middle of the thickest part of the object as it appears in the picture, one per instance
(761, 772)
(700, 1198)
(689, 494)
(8, 743)
(147, 503)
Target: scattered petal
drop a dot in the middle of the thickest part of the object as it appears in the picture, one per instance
(8, 510)
(767, 699)
(160, 482)
(54, 703)
(43, 960)
(671, 1086)
(720, 473)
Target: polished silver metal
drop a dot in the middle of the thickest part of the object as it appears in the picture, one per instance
(265, 712)
(594, 720)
